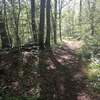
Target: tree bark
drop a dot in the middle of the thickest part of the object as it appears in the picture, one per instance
(16, 22)
(33, 20)
(60, 20)
(42, 24)
(3, 33)
(80, 14)
(55, 23)
(48, 8)
(92, 17)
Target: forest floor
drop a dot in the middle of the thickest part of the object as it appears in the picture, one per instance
(61, 74)
(68, 73)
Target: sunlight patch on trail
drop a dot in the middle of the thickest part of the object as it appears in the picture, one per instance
(73, 44)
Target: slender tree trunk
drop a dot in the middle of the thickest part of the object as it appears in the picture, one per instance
(60, 20)
(16, 22)
(6, 23)
(33, 20)
(42, 24)
(55, 23)
(3, 33)
(48, 7)
(91, 7)
(80, 13)
(92, 17)
(80, 17)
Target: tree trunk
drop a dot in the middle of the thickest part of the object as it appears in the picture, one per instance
(80, 12)
(33, 20)
(55, 23)
(48, 7)
(16, 22)
(3, 33)
(60, 20)
(92, 17)
(42, 24)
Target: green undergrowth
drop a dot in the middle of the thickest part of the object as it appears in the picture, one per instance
(93, 66)
(94, 76)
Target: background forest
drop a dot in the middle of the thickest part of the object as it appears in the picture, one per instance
(31, 31)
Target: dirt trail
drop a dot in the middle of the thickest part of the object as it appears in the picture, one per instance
(75, 69)
(64, 74)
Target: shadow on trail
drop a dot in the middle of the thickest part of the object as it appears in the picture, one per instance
(61, 76)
